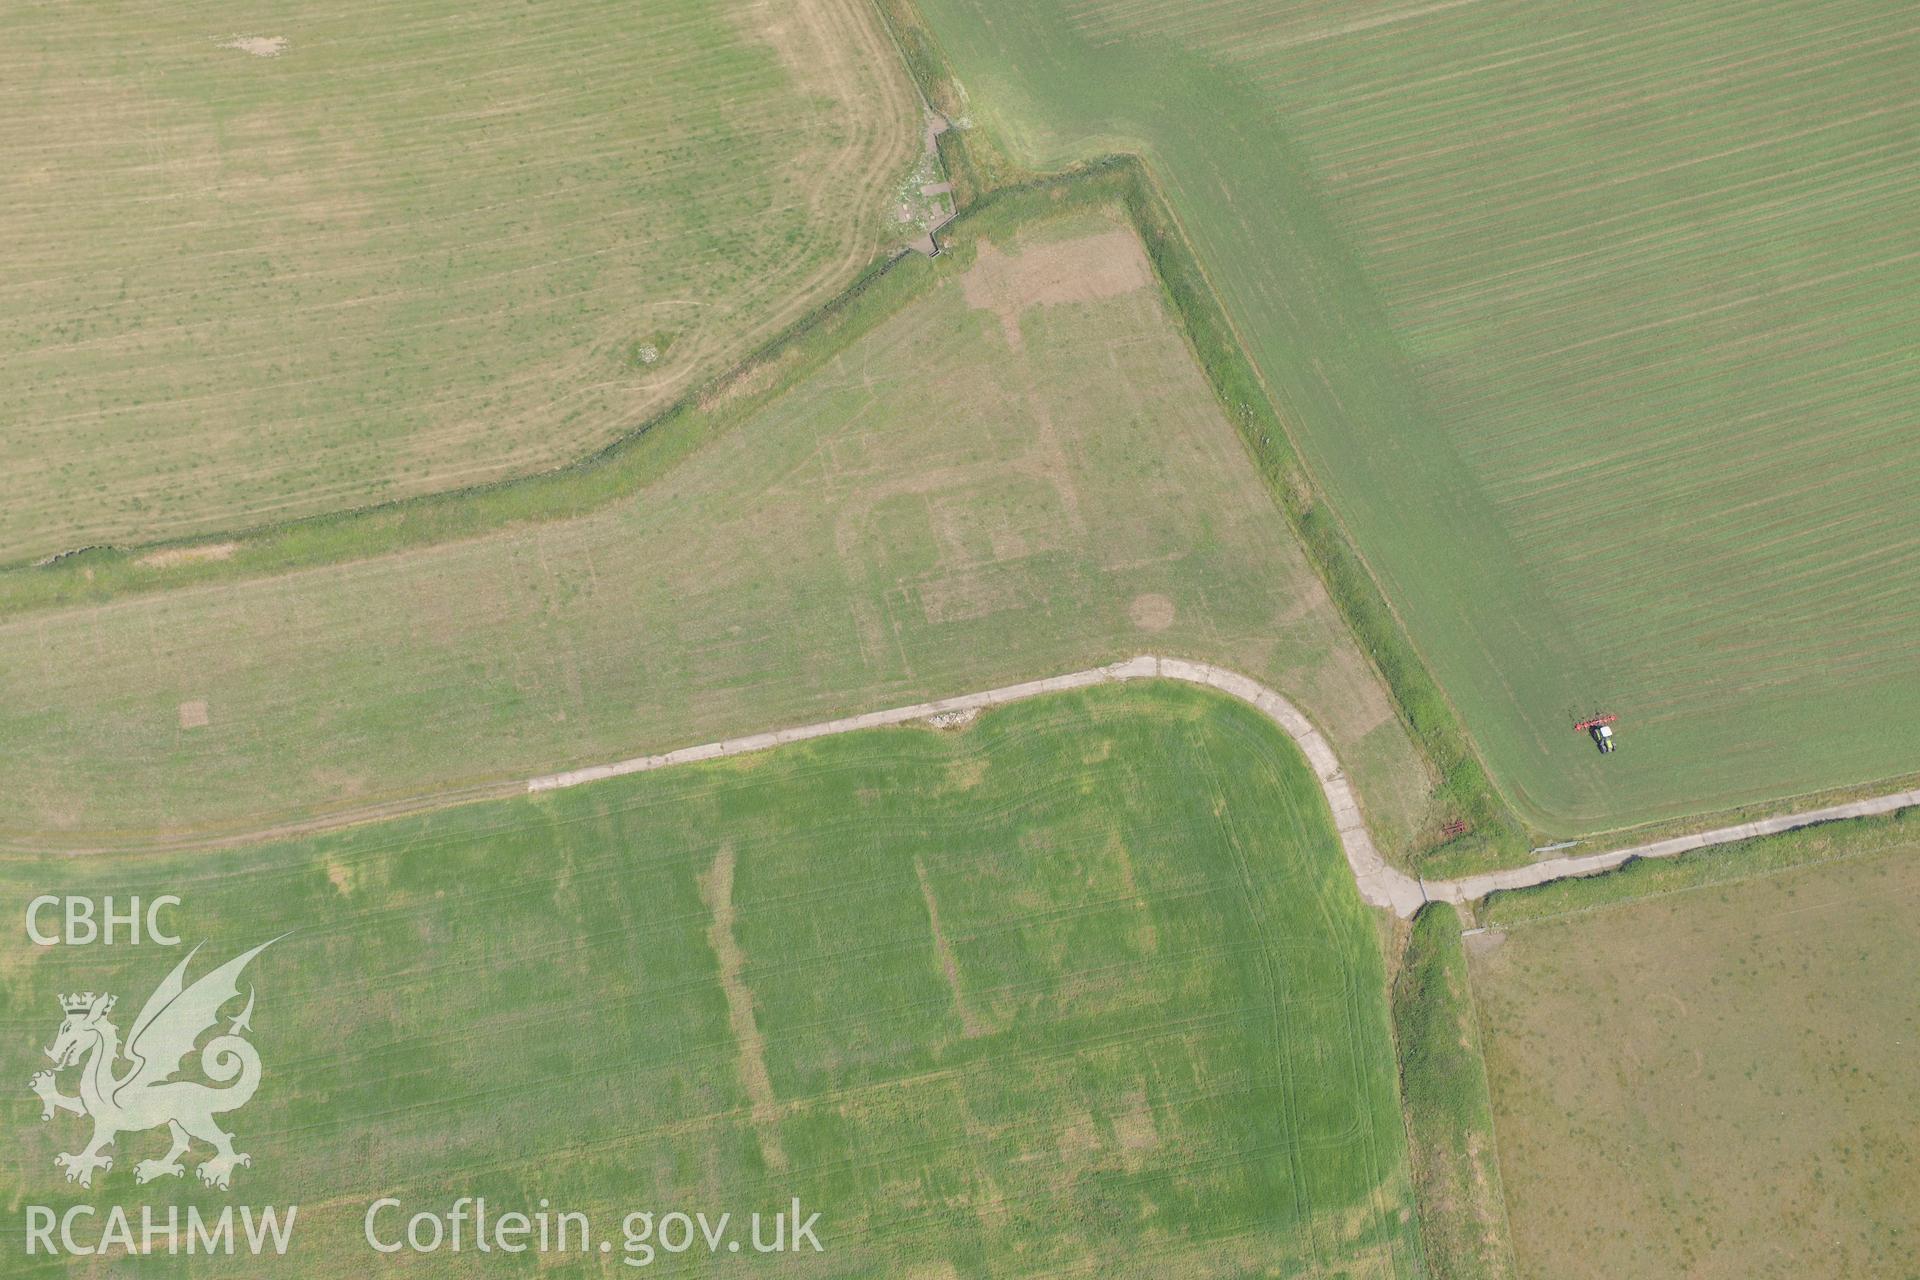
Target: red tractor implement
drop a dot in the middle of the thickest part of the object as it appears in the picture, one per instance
(1600, 728)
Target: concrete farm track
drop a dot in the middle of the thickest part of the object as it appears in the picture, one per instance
(1379, 885)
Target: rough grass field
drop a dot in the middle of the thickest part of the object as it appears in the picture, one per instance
(1020, 472)
(406, 250)
(1595, 322)
(1080, 990)
(1715, 1082)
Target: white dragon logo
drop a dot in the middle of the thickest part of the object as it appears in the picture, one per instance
(145, 1095)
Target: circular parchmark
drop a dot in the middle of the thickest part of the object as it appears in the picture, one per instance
(1151, 612)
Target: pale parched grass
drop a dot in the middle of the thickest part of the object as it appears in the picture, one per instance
(931, 513)
(410, 251)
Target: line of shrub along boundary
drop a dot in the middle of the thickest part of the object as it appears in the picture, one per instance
(98, 574)
(1493, 836)
(998, 196)
(1496, 839)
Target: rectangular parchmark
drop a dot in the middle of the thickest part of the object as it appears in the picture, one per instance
(969, 1025)
(716, 890)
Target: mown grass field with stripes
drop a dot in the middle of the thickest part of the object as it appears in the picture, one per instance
(265, 260)
(1596, 322)
(1082, 989)
(1000, 478)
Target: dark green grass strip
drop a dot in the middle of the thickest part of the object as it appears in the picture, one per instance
(1443, 1087)
(1494, 836)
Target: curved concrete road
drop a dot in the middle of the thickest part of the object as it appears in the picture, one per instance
(1379, 884)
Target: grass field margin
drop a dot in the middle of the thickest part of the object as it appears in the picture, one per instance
(1443, 1090)
(1723, 864)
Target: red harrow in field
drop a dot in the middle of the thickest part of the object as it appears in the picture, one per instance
(1600, 727)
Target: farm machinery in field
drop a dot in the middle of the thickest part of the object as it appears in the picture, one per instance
(1600, 729)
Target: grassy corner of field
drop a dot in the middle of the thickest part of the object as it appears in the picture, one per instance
(1443, 1089)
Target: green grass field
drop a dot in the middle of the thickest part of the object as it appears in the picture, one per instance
(1082, 989)
(934, 510)
(409, 250)
(1596, 324)
(1716, 1081)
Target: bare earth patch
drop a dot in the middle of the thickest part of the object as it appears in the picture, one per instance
(1084, 269)
(258, 46)
(193, 715)
(188, 555)
(1481, 941)
(1151, 612)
